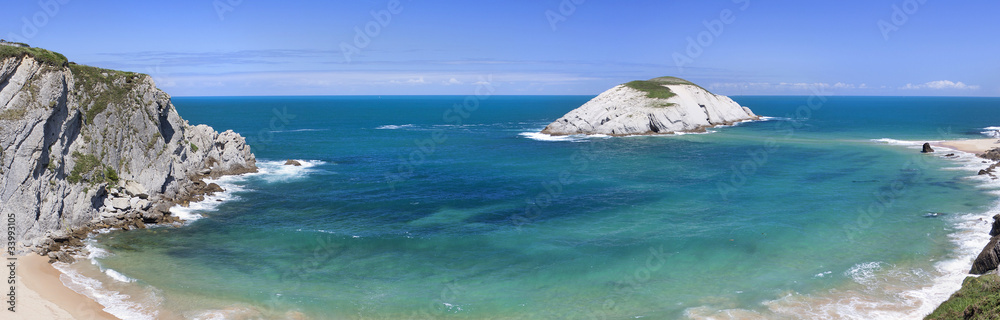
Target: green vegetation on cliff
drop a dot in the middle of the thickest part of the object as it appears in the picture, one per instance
(105, 86)
(85, 165)
(42, 55)
(979, 298)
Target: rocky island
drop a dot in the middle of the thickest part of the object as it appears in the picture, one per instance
(84, 148)
(662, 105)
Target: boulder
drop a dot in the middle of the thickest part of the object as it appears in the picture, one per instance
(61, 257)
(120, 203)
(151, 215)
(995, 231)
(927, 148)
(213, 188)
(135, 189)
(992, 154)
(291, 162)
(143, 204)
(989, 258)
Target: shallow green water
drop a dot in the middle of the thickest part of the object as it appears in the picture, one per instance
(489, 222)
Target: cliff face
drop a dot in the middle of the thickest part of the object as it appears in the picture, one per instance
(656, 106)
(73, 138)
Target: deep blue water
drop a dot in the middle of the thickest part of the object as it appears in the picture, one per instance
(418, 207)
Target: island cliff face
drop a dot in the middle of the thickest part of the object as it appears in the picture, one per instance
(84, 148)
(657, 106)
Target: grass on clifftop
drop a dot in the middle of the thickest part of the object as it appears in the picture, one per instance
(656, 87)
(42, 55)
(652, 89)
(979, 298)
(89, 79)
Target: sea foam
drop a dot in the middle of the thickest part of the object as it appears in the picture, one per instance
(888, 291)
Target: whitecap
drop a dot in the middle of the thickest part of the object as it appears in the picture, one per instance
(118, 276)
(864, 273)
(538, 136)
(114, 302)
(277, 171)
(992, 132)
(299, 130)
(394, 127)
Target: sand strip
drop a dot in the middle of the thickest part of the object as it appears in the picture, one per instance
(975, 146)
(41, 295)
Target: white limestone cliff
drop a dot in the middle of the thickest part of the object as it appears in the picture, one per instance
(623, 111)
(73, 138)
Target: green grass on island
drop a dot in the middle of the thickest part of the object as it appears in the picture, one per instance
(979, 298)
(656, 88)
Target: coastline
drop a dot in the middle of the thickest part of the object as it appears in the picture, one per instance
(42, 295)
(969, 286)
(58, 306)
(974, 146)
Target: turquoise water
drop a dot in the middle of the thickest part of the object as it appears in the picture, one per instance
(409, 208)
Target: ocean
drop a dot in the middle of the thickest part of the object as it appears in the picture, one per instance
(437, 207)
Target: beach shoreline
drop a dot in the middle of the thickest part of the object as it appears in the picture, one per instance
(41, 294)
(974, 146)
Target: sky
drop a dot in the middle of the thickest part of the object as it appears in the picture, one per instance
(526, 47)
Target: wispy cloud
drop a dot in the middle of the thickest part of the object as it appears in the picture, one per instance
(784, 86)
(354, 82)
(940, 85)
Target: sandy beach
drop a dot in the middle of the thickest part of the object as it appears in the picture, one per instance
(975, 146)
(41, 295)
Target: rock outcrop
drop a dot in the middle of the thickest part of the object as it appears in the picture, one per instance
(992, 154)
(989, 258)
(927, 148)
(656, 106)
(84, 147)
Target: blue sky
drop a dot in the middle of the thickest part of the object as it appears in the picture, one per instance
(733, 47)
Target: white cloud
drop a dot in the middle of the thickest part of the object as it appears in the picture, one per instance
(451, 82)
(940, 85)
(784, 86)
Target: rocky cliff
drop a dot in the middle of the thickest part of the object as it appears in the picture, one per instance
(84, 147)
(656, 106)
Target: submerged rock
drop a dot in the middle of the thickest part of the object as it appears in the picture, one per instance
(656, 106)
(291, 162)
